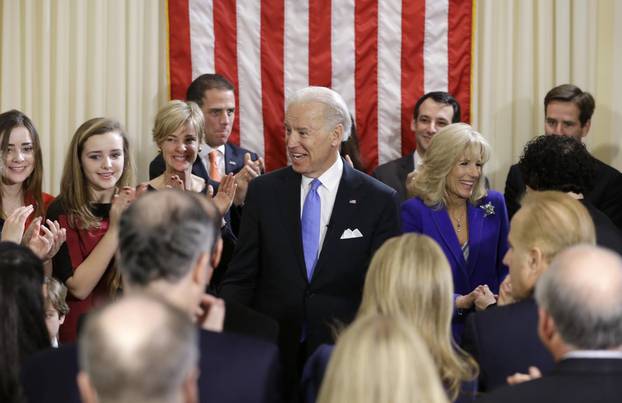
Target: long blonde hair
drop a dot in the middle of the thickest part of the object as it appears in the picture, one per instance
(410, 276)
(381, 359)
(552, 221)
(448, 146)
(75, 196)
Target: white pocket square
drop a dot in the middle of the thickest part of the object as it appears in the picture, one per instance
(349, 234)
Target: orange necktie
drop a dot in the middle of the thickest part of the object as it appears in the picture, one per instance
(214, 173)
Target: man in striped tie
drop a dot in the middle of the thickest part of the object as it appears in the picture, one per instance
(309, 231)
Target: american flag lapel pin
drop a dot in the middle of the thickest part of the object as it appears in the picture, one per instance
(353, 201)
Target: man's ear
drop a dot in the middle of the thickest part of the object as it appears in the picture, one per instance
(336, 135)
(412, 124)
(537, 264)
(586, 128)
(546, 326)
(87, 392)
(216, 253)
(61, 319)
(202, 271)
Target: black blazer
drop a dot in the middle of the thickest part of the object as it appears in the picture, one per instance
(233, 369)
(607, 234)
(573, 380)
(394, 173)
(268, 272)
(606, 192)
(504, 340)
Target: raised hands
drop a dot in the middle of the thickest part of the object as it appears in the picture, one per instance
(120, 202)
(505, 292)
(45, 240)
(481, 297)
(14, 225)
(250, 171)
(226, 193)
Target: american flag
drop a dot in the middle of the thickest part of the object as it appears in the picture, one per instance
(381, 56)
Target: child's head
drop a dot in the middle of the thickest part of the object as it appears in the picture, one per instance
(56, 307)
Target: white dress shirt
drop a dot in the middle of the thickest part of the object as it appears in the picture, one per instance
(417, 159)
(220, 158)
(327, 191)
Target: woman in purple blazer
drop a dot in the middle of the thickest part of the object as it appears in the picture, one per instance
(452, 206)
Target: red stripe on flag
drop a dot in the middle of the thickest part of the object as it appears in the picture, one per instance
(413, 33)
(366, 79)
(225, 52)
(320, 68)
(459, 39)
(272, 81)
(180, 57)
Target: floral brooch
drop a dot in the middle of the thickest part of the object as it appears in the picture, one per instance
(488, 208)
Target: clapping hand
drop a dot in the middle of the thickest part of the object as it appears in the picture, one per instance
(13, 229)
(250, 171)
(210, 314)
(45, 241)
(226, 194)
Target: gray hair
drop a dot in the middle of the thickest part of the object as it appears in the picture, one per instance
(138, 349)
(163, 233)
(582, 292)
(335, 112)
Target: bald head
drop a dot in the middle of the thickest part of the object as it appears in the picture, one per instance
(582, 292)
(163, 233)
(135, 336)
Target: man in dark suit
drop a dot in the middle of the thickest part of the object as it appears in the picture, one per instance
(568, 111)
(503, 340)
(118, 347)
(580, 300)
(168, 245)
(433, 111)
(309, 231)
(217, 157)
(563, 163)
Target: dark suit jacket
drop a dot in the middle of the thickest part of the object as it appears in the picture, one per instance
(233, 369)
(606, 192)
(488, 242)
(607, 234)
(268, 271)
(394, 173)
(504, 340)
(573, 380)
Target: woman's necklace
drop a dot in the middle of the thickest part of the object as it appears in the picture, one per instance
(458, 222)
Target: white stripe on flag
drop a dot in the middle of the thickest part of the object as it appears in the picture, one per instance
(435, 60)
(342, 51)
(296, 49)
(249, 75)
(201, 15)
(389, 80)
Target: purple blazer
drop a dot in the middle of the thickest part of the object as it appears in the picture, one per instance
(488, 242)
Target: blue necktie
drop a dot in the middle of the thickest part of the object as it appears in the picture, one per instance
(310, 224)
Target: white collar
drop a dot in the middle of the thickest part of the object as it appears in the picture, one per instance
(206, 149)
(330, 178)
(417, 159)
(593, 354)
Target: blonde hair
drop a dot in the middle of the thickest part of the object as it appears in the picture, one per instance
(56, 295)
(552, 221)
(381, 359)
(75, 196)
(175, 114)
(448, 146)
(410, 276)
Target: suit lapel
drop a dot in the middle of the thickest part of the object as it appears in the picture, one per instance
(232, 160)
(290, 207)
(343, 209)
(446, 229)
(476, 222)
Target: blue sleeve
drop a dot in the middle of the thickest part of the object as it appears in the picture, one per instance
(411, 217)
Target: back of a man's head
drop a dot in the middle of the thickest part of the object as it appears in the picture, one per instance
(163, 233)
(557, 163)
(138, 349)
(582, 293)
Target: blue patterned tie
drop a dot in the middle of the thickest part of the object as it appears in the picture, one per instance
(310, 224)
